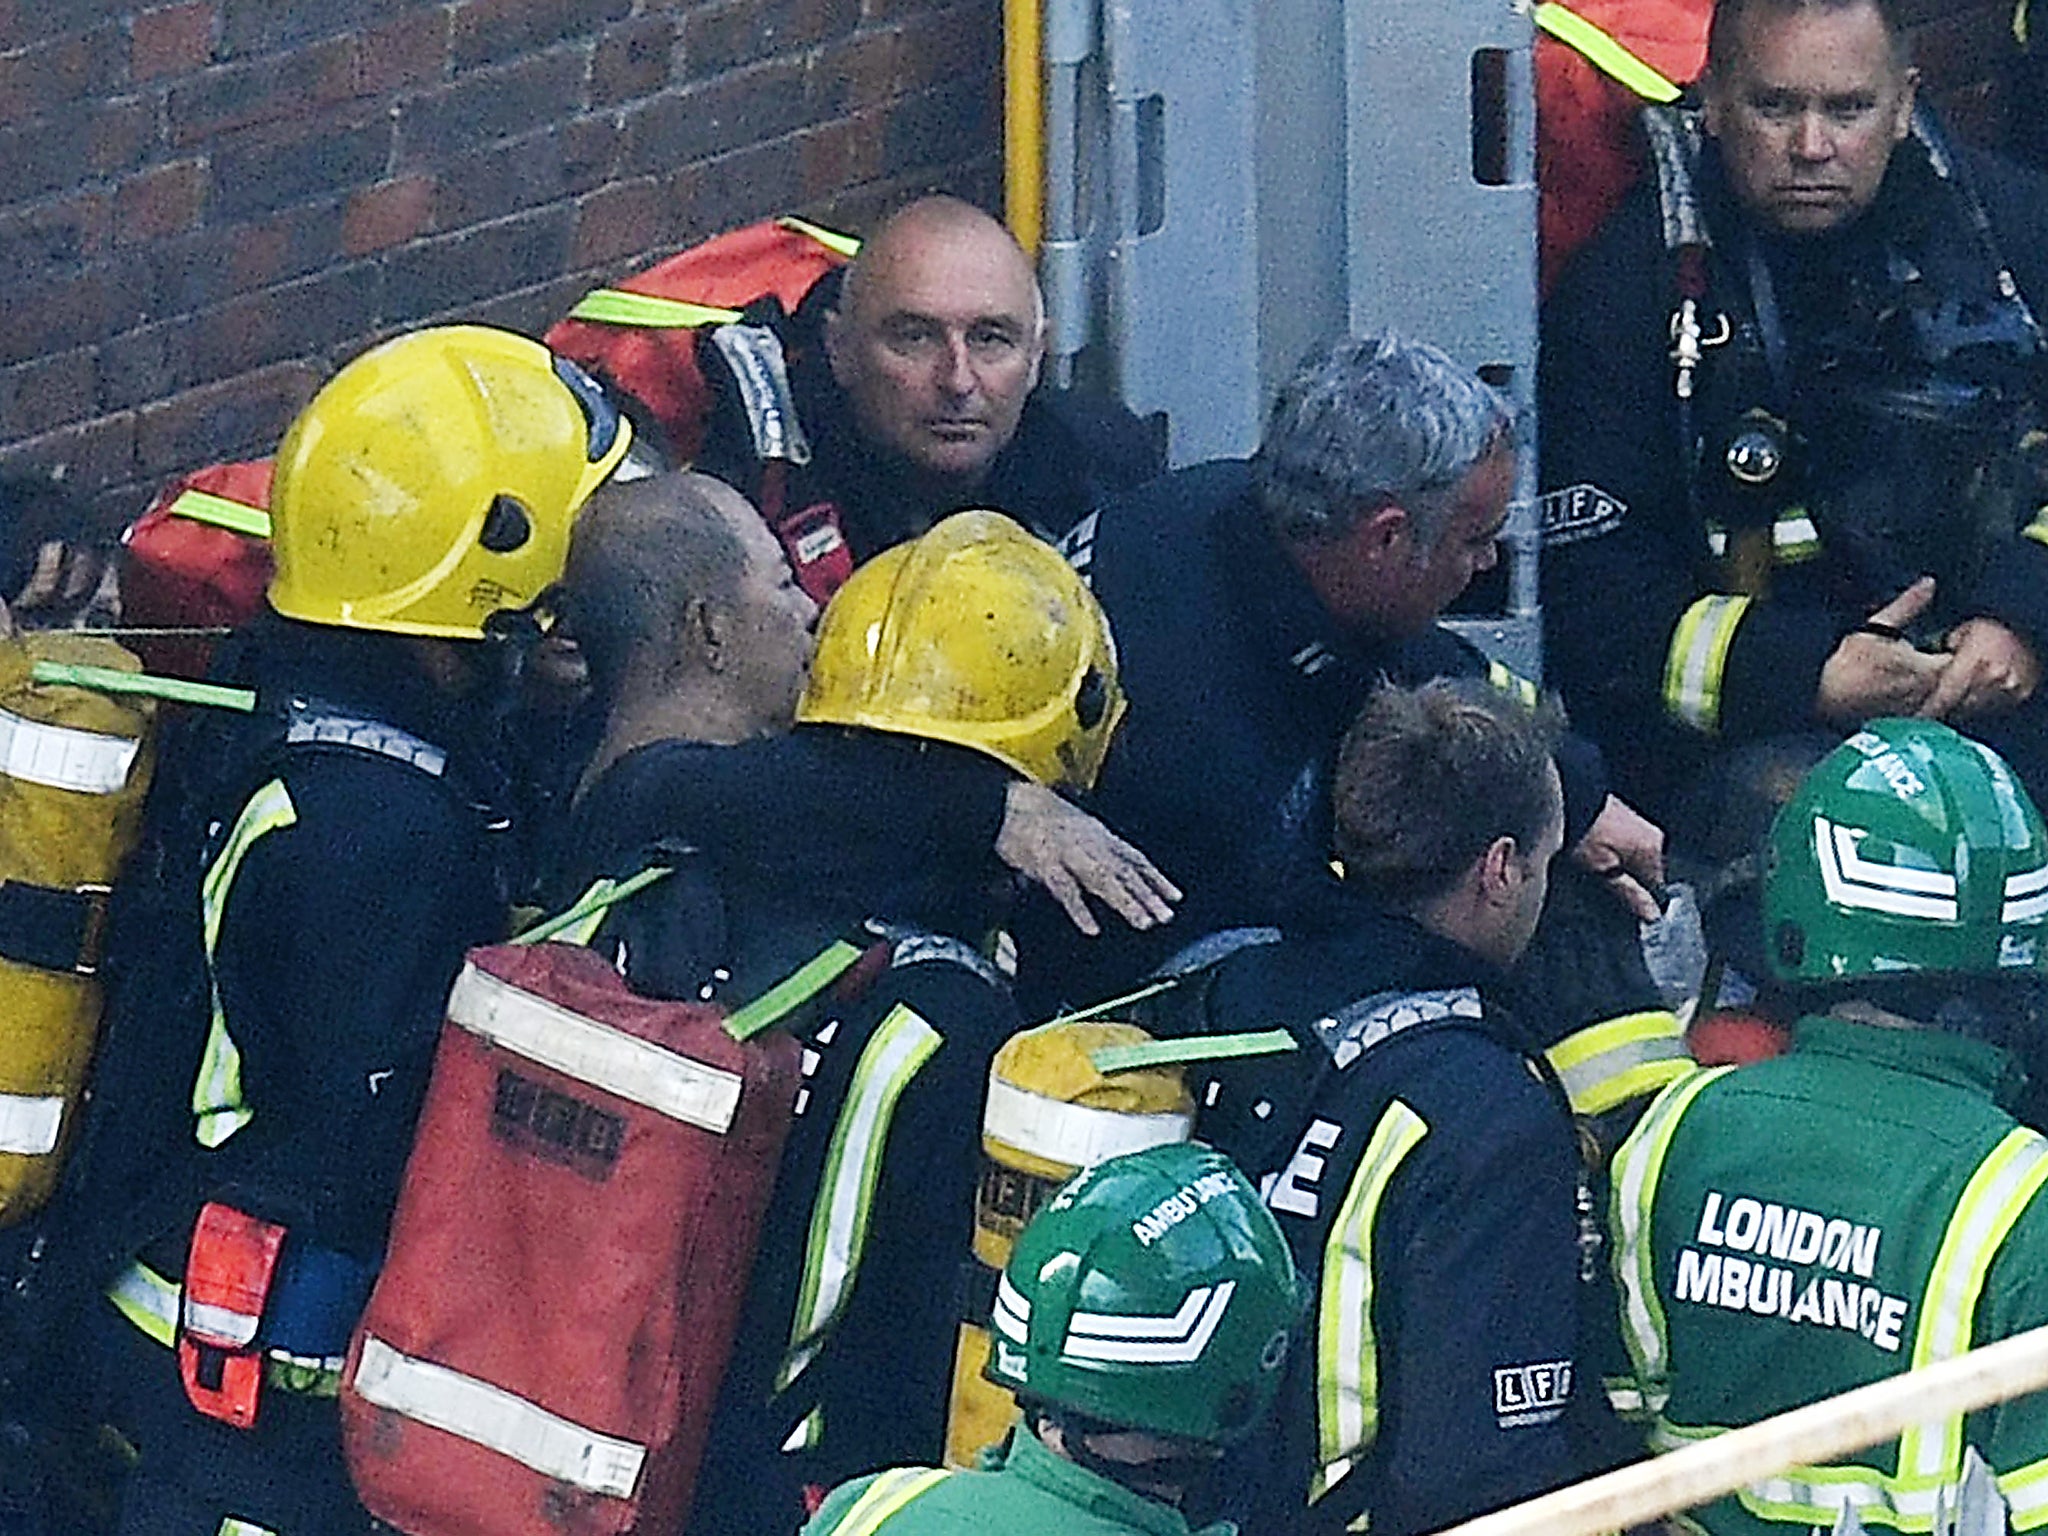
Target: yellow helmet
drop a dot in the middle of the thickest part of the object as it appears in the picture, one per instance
(977, 633)
(433, 481)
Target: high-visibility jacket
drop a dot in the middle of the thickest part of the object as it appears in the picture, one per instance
(1793, 1229)
(1029, 1489)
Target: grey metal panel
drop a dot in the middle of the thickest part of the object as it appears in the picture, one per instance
(1183, 277)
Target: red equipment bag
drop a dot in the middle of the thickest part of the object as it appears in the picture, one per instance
(198, 558)
(650, 351)
(570, 1251)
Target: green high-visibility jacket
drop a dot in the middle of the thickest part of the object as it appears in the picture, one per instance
(1028, 1492)
(1797, 1228)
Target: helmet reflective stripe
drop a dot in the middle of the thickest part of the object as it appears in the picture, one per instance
(217, 1102)
(2026, 897)
(1011, 1313)
(1176, 1340)
(898, 1050)
(1638, 1164)
(1854, 881)
(1347, 1354)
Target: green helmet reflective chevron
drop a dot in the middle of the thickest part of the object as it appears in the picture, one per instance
(1907, 850)
(1152, 1292)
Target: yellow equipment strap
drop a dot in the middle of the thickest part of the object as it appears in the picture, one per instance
(1604, 53)
(222, 512)
(615, 306)
(846, 245)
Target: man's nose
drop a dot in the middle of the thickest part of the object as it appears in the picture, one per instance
(957, 369)
(1811, 139)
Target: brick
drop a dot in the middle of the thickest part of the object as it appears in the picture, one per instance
(239, 418)
(58, 232)
(200, 270)
(60, 313)
(493, 31)
(841, 154)
(146, 365)
(54, 153)
(390, 213)
(45, 393)
(264, 26)
(735, 110)
(519, 173)
(855, 72)
(735, 33)
(173, 41)
(434, 276)
(284, 86)
(753, 183)
(298, 320)
(254, 177)
(632, 60)
(121, 134)
(164, 200)
(493, 104)
(87, 456)
(37, 80)
(24, 23)
(932, 128)
(629, 218)
(948, 44)
(404, 54)
(530, 310)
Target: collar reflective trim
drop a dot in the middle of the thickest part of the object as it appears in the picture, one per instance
(1854, 881)
(501, 1421)
(594, 1053)
(1073, 1135)
(59, 757)
(29, 1126)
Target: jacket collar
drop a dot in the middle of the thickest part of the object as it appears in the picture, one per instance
(1930, 1053)
(1031, 1461)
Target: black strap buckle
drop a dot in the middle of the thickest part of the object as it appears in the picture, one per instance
(54, 928)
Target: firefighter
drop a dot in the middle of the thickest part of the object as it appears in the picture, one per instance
(321, 864)
(1790, 482)
(1418, 1153)
(915, 376)
(955, 675)
(1258, 604)
(1143, 1322)
(1865, 1204)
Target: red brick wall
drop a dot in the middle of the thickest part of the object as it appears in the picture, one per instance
(206, 206)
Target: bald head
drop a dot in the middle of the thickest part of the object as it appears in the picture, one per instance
(685, 608)
(938, 337)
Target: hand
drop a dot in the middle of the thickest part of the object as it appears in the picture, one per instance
(1069, 852)
(1990, 670)
(1871, 674)
(1626, 850)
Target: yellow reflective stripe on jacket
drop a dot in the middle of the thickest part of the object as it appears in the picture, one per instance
(1794, 538)
(846, 245)
(217, 1103)
(1347, 1355)
(2008, 1178)
(222, 512)
(1699, 656)
(234, 1525)
(1604, 53)
(1638, 1164)
(1609, 1063)
(147, 1300)
(1507, 680)
(898, 1050)
(2037, 530)
(2026, 1495)
(615, 306)
(886, 1495)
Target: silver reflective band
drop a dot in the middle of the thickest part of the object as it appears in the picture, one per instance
(2026, 896)
(1073, 1134)
(594, 1053)
(59, 757)
(1176, 1340)
(28, 1127)
(497, 1420)
(232, 1328)
(1854, 881)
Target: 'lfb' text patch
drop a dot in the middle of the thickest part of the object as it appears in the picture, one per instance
(1531, 1394)
(1575, 512)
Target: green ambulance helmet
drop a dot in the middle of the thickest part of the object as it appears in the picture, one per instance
(1908, 850)
(1154, 1292)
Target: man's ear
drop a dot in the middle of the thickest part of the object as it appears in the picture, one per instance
(838, 346)
(1383, 534)
(703, 634)
(1500, 870)
(1712, 105)
(1907, 96)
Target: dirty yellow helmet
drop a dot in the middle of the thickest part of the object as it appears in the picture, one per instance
(977, 633)
(433, 482)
